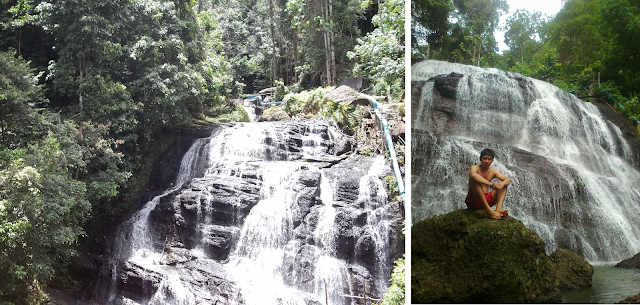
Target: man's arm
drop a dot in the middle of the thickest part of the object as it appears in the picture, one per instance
(504, 181)
(473, 173)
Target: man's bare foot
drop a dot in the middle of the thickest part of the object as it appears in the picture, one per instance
(495, 215)
(503, 213)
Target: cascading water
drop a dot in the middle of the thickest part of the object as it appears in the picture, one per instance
(267, 216)
(250, 108)
(573, 179)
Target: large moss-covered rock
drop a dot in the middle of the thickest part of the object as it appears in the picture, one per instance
(465, 257)
(574, 272)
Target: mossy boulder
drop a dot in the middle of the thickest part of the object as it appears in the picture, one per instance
(346, 94)
(574, 272)
(465, 257)
(275, 113)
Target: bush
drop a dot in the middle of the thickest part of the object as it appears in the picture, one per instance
(305, 102)
(237, 115)
(281, 90)
(396, 293)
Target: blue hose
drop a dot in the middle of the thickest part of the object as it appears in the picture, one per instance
(392, 150)
(259, 98)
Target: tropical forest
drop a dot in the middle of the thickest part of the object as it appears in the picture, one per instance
(94, 93)
(586, 42)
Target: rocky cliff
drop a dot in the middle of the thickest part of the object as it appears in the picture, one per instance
(269, 214)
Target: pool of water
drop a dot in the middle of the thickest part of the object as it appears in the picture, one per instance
(609, 285)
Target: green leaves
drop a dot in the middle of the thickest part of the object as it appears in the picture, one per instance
(396, 293)
(18, 89)
(456, 30)
(41, 213)
(380, 54)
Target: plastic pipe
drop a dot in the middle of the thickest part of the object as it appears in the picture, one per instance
(392, 150)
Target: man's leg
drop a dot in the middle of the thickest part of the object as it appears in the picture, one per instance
(478, 191)
(498, 196)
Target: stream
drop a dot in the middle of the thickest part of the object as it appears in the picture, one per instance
(609, 285)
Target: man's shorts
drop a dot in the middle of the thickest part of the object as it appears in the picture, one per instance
(475, 204)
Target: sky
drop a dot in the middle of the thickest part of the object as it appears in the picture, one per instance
(546, 7)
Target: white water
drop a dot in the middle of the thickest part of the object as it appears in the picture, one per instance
(250, 108)
(139, 242)
(265, 240)
(594, 203)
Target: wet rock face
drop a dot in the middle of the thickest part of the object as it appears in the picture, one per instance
(196, 231)
(447, 85)
(207, 279)
(465, 257)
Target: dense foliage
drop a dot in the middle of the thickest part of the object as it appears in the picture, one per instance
(457, 30)
(381, 53)
(587, 42)
(88, 90)
(305, 43)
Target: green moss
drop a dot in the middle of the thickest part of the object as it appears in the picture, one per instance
(466, 257)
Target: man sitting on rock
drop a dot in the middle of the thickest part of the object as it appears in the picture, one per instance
(480, 176)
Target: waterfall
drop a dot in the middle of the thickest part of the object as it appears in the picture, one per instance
(250, 108)
(572, 172)
(262, 213)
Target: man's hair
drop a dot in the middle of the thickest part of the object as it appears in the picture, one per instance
(487, 152)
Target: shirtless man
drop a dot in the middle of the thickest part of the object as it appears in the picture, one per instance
(480, 176)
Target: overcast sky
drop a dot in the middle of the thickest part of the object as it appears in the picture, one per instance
(546, 7)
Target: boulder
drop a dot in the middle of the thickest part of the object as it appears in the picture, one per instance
(630, 263)
(342, 147)
(355, 83)
(274, 114)
(574, 272)
(398, 131)
(465, 257)
(345, 94)
(268, 91)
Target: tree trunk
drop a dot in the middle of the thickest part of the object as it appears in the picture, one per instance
(334, 67)
(274, 60)
(81, 70)
(294, 43)
(327, 52)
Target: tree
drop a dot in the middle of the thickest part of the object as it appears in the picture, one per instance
(42, 204)
(477, 21)
(622, 22)
(575, 32)
(522, 29)
(434, 16)
(460, 31)
(381, 53)
(17, 91)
